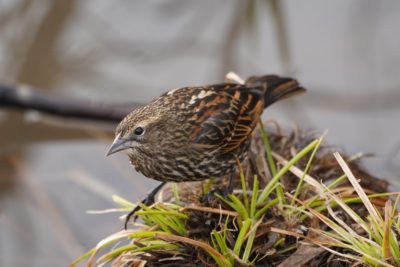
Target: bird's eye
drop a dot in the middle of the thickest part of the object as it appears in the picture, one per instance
(138, 131)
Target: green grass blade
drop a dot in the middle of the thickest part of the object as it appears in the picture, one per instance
(263, 196)
(237, 205)
(240, 239)
(271, 162)
(254, 195)
(266, 207)
(267, 147)
(299, 185)
(244, 187)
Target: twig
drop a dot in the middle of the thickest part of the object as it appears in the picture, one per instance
(26, 98)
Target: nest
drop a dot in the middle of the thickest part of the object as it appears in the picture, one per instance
(203, 216)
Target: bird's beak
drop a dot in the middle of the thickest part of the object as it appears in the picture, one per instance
(118, 145)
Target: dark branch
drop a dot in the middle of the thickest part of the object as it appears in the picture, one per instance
(26, 98)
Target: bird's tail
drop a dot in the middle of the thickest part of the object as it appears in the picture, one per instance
(275, 88)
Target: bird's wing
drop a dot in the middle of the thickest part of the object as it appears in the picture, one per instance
(225, 117)
(251, 106)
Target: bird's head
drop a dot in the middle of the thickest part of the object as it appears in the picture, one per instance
(139, 129)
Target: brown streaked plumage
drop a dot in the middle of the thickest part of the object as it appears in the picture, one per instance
(194, 133)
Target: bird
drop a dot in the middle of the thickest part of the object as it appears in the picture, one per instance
(197, 132)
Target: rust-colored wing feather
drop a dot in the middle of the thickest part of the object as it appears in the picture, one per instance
(224, 116)
(251, 106)
(231, 114)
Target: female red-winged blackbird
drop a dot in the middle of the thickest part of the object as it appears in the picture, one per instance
(194, 133)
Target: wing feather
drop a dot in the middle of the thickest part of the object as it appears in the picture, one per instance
(231, 114)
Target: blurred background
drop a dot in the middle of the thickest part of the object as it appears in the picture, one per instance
(52, 170)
